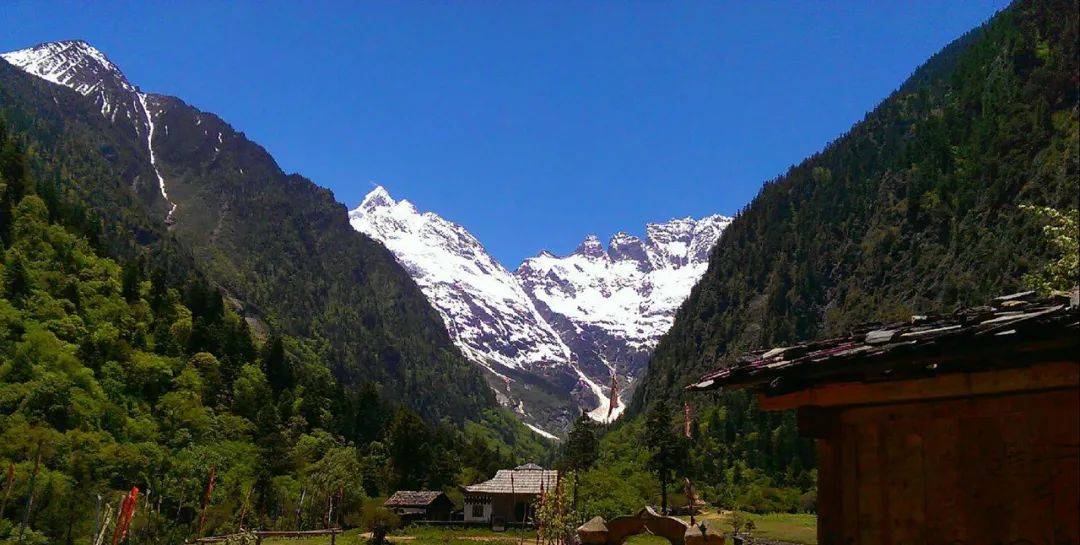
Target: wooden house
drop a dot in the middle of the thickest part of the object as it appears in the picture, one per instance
(414, 505)
(510, 496)
(953, 429)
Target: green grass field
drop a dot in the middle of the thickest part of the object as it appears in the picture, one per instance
(422, 535)
(432, 535)
(797, 528)
(350, 537)
(646, 539)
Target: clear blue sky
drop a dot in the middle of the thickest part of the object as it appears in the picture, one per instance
(531, 123)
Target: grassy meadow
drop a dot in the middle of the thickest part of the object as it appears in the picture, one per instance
(798, 528)
(793, 528)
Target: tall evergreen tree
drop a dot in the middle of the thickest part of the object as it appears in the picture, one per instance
(667, 448)
(276, 365)
(130, 280)
(582, 449)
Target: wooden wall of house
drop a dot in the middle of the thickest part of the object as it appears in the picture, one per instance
(982, 471)
(510, 508)
(440, 509)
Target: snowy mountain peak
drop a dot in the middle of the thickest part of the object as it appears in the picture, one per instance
(591, 247)
(611, 312)
(378, 197)
(485, 310)
(684, 241)
(71, 63)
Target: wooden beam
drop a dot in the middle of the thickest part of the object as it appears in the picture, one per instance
(1044, 376)
(830, 499)
(818, 422)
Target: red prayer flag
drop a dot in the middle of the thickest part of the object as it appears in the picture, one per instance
(127, 511)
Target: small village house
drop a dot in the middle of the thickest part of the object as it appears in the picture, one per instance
(510, 496)
(415, 505)
(956, 429)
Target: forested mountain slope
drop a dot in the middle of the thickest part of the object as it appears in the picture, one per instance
(114, 376)
(154, 172)
(916, 209)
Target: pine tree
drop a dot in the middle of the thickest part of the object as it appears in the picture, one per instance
(667, 448)
(17, 280)
(582, 449)
(132, 277)
(276, 366)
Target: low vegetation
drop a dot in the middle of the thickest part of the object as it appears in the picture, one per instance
(727, 468)
(787, 527)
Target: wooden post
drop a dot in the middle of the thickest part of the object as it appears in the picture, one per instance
(513, 498)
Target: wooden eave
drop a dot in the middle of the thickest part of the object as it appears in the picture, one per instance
(1053, 375)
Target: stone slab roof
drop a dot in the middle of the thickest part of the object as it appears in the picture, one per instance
(972, 339)
(526, 479)
(412, 498)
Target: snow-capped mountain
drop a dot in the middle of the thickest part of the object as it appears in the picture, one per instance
(486, 311)
(612, 306)
(552, 333)
(483, 305)
(79, 66)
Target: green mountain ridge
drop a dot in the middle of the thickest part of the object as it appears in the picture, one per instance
(916, 209)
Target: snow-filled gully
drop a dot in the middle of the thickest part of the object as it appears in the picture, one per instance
(153, 161)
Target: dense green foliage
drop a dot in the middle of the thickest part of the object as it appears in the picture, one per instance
(922, 207)
(1062, 230)
(730, 464)
(127, 356)
(118, 377)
